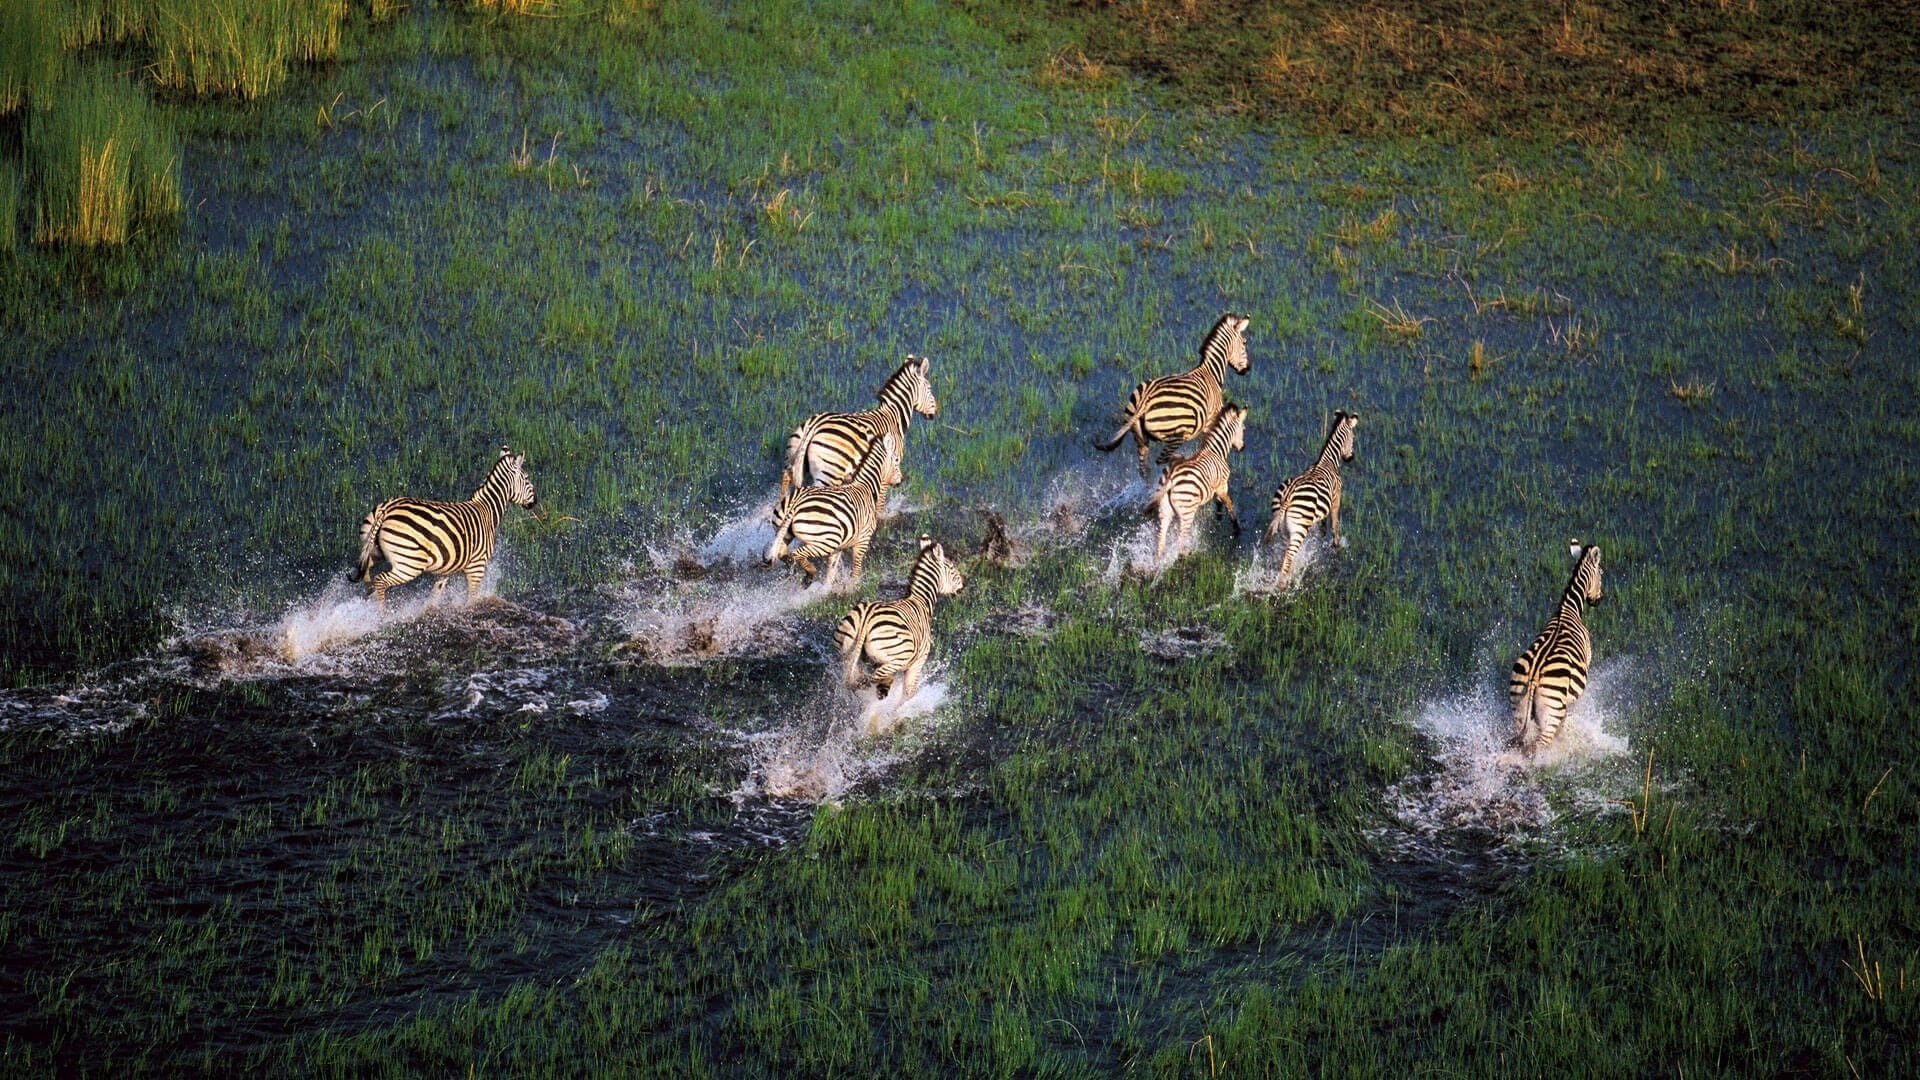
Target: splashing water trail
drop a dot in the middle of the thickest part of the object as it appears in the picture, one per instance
(1260, 575)
(882, 716)
(1486, 797)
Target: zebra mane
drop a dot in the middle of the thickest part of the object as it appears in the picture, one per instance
(1586, 563)
(896, 384)
(1214, 345)
(875, 460)
(1334, 430)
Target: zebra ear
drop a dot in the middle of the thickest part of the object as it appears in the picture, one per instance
(1574, 547)
(505, 451)
(925, 541)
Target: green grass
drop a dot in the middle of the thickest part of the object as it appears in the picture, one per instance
(643, 248)
(102, 164)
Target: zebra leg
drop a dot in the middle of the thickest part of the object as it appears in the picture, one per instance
(833, 570)
(475, 575)
(387, 579)
(1140, 439)
(801, 559)
(1295, 538)
(883, 677)
(1160, 541)
(860, 558)
(1232, 514)
(910, 682)
(1333, 512)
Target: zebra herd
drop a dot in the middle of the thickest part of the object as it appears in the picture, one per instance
(833, 491)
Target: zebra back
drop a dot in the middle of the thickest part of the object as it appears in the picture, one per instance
(829, 445)
(1552, 673)
(427, 536)
(1174, 408)
(897, 634)
(1304, 500)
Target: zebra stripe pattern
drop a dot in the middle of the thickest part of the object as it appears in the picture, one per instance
(1175, 408)
(829, 446)
(1190, 482)
(896, 635)
(1552, 674)
(815, 521)
(1301, 503)
(420, 536)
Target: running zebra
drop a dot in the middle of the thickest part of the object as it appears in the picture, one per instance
(1550, 676)
(816, 521)
(830, 444)
(1300, 503)
(420, 536)
(1190, 482)
(895, 635)
(1175, 408)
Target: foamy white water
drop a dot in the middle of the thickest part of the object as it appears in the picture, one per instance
(1260, 575)
(883, 716)
(1484, 790)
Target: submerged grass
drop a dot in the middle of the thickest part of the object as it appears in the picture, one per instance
(643, 250)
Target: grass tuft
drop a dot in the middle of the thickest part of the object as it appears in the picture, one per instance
(101, 163)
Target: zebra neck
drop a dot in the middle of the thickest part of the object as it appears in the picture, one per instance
(1574, 602)
(1213, 364)
(924, 589)
(1329, 455)
(895, 411)
(1216, 443)
(492, 500)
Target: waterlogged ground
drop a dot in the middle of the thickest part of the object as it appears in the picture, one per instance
(1179, 816)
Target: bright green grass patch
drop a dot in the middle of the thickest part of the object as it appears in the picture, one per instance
(30, 55)
(102, 163)
(240, 47)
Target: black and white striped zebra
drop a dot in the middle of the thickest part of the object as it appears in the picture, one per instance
(1190, 482)
(1175, 408)
(828, 447)
(1301, 503)
(421, 536)
(1552, 674)
(895, 636)
(813, 521)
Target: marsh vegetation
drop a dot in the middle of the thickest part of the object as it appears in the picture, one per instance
(618, 814)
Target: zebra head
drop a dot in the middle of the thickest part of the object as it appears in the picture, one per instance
(881, 467)
(910, 386)
(509, 479)
(1340, 437)
(1586, 572)
(1227, 343)
(933, 565)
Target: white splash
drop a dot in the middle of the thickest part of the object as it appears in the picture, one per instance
(742, 539)
(1486, 790)
(882, 716)
(1260, 575)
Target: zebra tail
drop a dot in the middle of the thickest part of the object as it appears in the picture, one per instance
(1133, 420)
(369, 547)
(846, 641)
(796, 460)
(1526, 726)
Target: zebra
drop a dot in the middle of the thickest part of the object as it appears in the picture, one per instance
(1300, 503)
(816, 521)
(1550, 676)
(895, 635)
(829, 445)
(419, 536)
(1175, 408)
(1190, 482)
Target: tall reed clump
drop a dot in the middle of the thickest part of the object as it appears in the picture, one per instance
(100, 162)
(31, 57)
(239, 46)
(9, 206)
